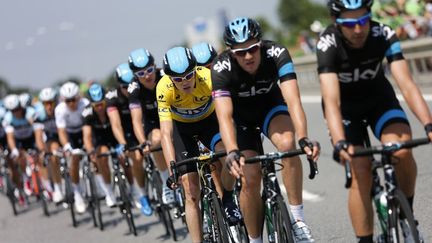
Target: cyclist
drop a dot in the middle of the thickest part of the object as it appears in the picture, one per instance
(184, 102)
(3, 143)
(18, 124)
(354, 88)
(121, 122)
(26, 99)
(69, 125)
(47, 140)
(98, 138)
(143, 106)
(204, 54)
(245, 88)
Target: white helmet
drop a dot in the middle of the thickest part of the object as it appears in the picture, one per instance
(47, 94)
(11, 102)
(69, 90)
(25, 99)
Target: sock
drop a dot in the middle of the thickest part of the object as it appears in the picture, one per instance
(365, 239)
(101, 182)
(75, 188)
(297, 212)
(57, 187)
(164, 176)
(255, 240)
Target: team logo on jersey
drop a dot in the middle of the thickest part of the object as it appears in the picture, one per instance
(111, 94)
(383, 30)
(326, 41)
(357, 74)
(132, 86)
(177, 97)
(161, 96)
(253, 91)
(88, 111)
(201, 99)
(222, 65)
(275, 51)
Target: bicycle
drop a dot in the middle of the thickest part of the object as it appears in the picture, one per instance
(215, 223)
(38, 190)
(278, 219)
(10, 187)
(124, 202)
(68, 201)
(394, 210)
(154, 185)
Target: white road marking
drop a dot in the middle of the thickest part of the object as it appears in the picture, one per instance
(317, 98)
(307, 196)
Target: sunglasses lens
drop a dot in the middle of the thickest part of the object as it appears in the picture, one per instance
(251, 49)
(189, 76)
(150, 70)
(176, 79)
(140, 73)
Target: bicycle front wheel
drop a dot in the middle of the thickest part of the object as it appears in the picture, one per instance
(220, 223)
(126, 208)
(282, 222)
(401, 223)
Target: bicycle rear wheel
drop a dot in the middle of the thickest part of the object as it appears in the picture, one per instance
(282, 222)
(400, 213)
(10, 188)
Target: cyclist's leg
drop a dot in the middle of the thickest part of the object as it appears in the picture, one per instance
(139, 190)
(191, 188)
(76, 142)
(104, 175)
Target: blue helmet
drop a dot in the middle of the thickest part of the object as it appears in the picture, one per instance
(338, 6)
(96, 92)
(124, 74)
(204, 53)
(178, 61)
(140, 59)
(241, 30)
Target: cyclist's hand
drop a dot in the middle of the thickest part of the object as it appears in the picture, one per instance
(67, 148)
(310, 147)
(234, 162)
(342, 151)
(428, 129)
(146, 146)
(120, 150)
(14, 153)
(171, 182)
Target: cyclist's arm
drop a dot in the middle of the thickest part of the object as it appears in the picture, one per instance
(137, 123)
(331, 96)
(87, 138)
(291, 94)
(11, 140)
(410, 91)
(116, 126)
(167, 142)
(39, 139)
(224, 112)
(63, 137)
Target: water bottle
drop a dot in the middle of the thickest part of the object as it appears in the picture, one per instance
(380, 200)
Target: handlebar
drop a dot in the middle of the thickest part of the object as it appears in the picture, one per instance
(389, 148)
(212, 156)
(272, 156)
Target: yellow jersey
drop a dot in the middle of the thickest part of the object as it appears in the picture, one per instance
(174, 104)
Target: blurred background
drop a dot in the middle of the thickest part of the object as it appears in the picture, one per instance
(46, 42)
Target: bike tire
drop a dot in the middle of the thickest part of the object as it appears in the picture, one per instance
(96, 209)
(42, 195)
(10, 194)
(126, 208)
(401, 207)
(70, 199)
(220, 223)
(282, 222)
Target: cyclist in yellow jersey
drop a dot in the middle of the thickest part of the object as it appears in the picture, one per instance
(185, 102)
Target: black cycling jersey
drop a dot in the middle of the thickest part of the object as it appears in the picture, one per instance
(141, 96)
(360, 70)
(247, 91)
(101, 131)
(49, 126)
(117, 100)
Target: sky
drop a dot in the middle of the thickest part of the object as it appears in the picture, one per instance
(45, 41)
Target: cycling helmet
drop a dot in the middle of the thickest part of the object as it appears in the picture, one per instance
(12, 102)
(140, 59)
(96, 92)
(178, 61)
(25, 99)
(124, 74)
(338, 6)
(204, 53)
(69, 90)
(47, 94)
(241, 30)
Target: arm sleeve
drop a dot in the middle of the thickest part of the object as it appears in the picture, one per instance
(284, 63)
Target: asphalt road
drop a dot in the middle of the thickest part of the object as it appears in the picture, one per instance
(325, 205)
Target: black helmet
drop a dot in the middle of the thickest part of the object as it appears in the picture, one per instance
(338, 6)
(204, 53)
(178, 61)
(241, 30)
(140, 59)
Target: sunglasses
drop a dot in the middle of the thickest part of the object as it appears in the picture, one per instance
(351, 23)
(70, 100)
(52, 102)
(124, 86)
(98, 104)
(145, 72)
(186, 77)
(241, 52)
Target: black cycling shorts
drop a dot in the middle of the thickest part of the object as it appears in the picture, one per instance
(106, 139)
(185, 144)
(150, 125)
(76, 140)
(27, 143)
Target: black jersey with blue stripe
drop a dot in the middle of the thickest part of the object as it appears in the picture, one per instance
(360, 70)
